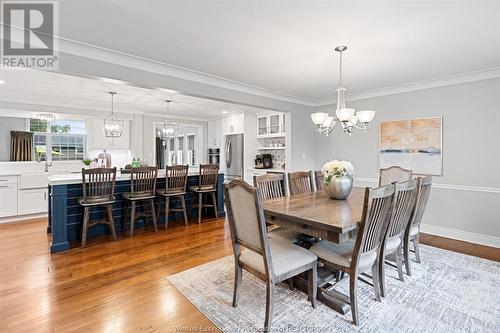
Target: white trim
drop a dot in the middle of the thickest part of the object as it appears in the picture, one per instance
(22, 218)
(462, 235)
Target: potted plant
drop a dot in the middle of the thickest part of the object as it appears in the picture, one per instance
(87, 162)
(338, 178)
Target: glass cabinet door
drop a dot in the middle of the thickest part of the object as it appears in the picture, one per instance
(274, 124)
(262, 125)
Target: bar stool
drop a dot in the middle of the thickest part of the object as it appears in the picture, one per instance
(98, 190)
(207, 184)
(142, 189)
(175, 187)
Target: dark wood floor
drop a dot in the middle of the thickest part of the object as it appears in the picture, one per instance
(117, 286)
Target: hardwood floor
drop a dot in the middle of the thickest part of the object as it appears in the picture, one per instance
(117, 286)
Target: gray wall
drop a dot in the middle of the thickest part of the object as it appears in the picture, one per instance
(6, 125)
(466, 197)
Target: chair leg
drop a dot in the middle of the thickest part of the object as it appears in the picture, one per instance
(313, 284)
(406, 254)
(132, 218)
(85, 226)
(200, 206)
(269, 306)
(167, 208)
(111, 222)
(125, 220)
(353, 292)
(399, 262)
(158, 210)
(376, 279)
(214, 201)
(184, 211)
(416, 243)
(290, 283)
(237, 284)
(381, 272)
(153, 214)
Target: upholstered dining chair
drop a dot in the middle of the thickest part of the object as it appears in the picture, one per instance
(412, 232)
(175, 188)
(393, 174)
(143, 190)
(392, 244)
(98, 190)
(361, 255)
(300, 182)
(271, 260)
(207, 184)
(318, 178)
(273, 185)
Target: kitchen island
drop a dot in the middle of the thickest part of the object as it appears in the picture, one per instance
(65, 214)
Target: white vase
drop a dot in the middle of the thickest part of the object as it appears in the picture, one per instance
(339, 188)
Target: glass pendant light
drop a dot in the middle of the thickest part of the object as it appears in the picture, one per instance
(169, 129)
(113, 126)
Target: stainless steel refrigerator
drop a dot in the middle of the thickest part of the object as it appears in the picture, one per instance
(233, 155)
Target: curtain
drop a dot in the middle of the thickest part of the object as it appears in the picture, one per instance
(21, 146)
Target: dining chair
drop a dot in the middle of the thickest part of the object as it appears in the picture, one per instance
(361, 255)
(270, 260)
(207, 184)
(98, 187)
(143, 190)
(412, 232)
(393, 174)
(392, 243)
(318, 178)
(175, 188)
(272, 185)
(300, 182)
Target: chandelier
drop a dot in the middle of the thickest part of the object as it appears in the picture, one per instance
(349, 118)
(113, 126)
(169, 129)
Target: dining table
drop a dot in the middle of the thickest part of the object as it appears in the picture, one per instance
(315, 214)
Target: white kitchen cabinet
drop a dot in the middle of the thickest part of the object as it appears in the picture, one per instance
(32, 201)
(270, 124)
(215, 135)
(98, 140)
(8, 196)
(233, 125)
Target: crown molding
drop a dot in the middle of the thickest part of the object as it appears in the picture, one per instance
(486, 74)
(90, 51)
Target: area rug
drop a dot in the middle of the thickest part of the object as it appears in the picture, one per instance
(449, 292)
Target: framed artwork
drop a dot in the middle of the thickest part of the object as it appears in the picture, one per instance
(414, 144)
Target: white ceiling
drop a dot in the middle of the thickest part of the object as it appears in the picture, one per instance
(287, 46)
(59, 93)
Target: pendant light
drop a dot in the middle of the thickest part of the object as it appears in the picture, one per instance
(113, 126)
(169, 129)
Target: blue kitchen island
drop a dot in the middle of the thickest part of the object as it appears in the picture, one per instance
(65, 214)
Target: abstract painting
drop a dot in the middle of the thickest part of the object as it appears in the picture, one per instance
(414, 144)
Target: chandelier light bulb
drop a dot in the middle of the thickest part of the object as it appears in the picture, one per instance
(319, 118)
(365, 116)
(344, 114)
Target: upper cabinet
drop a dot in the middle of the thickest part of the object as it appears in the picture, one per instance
(270, 124)
(233, 125)
(98, 140)
(215, 135)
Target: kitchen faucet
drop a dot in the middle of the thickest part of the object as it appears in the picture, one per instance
(47, 164)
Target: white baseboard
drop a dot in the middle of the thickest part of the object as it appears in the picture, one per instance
(19, 218)
(465, 236)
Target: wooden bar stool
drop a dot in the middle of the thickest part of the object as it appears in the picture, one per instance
(142, 189)
(98, 190)
(176, 181)
(207, 184)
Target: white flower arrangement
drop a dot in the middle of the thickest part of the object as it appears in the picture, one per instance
(337, 169)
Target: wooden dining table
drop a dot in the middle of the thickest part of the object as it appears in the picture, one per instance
(317, 215)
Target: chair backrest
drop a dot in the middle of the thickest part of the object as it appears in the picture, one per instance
(176, 178)
(271, 185)
(393, 174)
(424, 185)
(376, 213)
(318, 177)
(98, 184)
(208, 175)
(300, 182)
(143, 180)
(246, 220)
(404, 201)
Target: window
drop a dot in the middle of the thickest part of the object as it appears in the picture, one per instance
(58, 140)
(183, 149)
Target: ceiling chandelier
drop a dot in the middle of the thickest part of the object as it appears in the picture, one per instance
(349, 118)
(113, 126)
(169, 129)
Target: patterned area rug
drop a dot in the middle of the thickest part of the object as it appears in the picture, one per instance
(448, 292)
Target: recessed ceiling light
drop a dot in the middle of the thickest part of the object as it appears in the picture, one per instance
(2, 82)
(224, 112)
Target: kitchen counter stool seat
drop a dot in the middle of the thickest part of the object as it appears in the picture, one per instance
(175, 187)
(207, 184)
